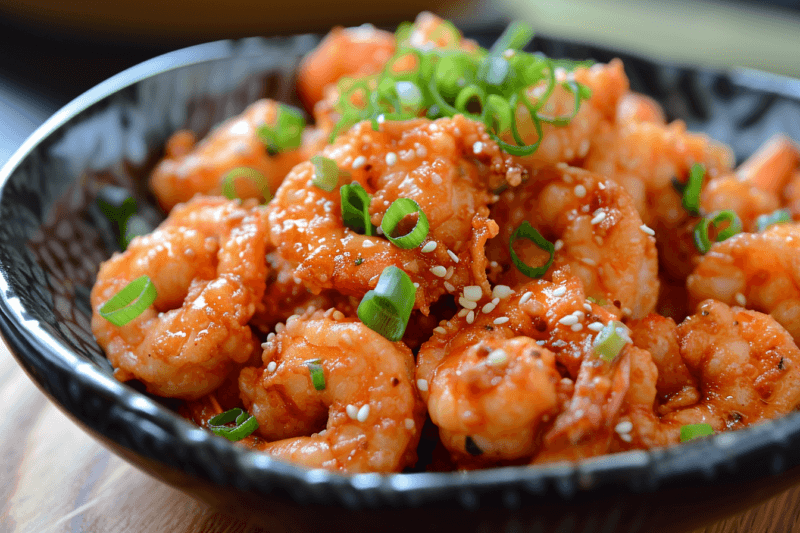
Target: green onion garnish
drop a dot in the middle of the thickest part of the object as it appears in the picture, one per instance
(286, 133)
(401, 208)
(326, 173)
(691, 193)
(693, 431)
(245, 424)
(130, 302)
(120, 209)
(387, 308)
(611, 340)
(702, 241)
(526, 231)
(410, 95)
(317, 376)
(516, 36)
(229, 182)
(355, 208)
(781, 216)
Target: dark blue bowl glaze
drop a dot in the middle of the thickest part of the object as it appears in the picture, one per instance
(52, 241)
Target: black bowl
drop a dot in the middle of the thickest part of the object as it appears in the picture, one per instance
(52, 241)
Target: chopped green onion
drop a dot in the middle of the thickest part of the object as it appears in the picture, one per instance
(387, 308)
(611, 340)
(130, 302)
(229, 182)
(497, 69)
(401, 208)
(317, 376)
(287, 132)
(526, 231)
(120, 209)
(409, 94)
(702, 241)
(134, 227)
(245, 424)
(326, 173)
(693, 431)
(355, 208)
(691, 192)
(516, 36)
(781, 216)
(359, 261)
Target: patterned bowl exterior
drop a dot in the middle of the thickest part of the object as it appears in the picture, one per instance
(52, 241)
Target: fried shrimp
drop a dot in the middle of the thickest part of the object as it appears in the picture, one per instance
(434, 164)
(191, 168)
(368, 397)
(597, 232)
(759, 271)
(209, 277)
(492, 384)
(747, 368)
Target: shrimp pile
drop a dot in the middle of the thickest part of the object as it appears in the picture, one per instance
(587, 281)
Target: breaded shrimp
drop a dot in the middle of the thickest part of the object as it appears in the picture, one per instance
(759, 271)
(597, 230)
(209, 278)
(432, 163)
(351, 52)
(747, 368)
(374, 415)
(491, 381)
(190, 168)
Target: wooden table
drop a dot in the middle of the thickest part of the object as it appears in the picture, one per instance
(55, 478)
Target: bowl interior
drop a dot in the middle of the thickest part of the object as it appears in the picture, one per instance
(53, 238)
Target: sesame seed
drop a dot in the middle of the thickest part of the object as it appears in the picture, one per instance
(449, 286)
(740, 299)
(558, 292)
(599, 217)
(440, 330)
(501, 320)
(271, 366)
(270, 336)
(473, 292)
(568, 320)
(580, 191)
(409, 423)
(279, 327)
(359, 162)
(453, 256)
(497, 358)
(366, 243)
(463, 313)
(416, 285)
(439, 271)
(589, 261)
(580, 314)
(595, 326)
(579, 413)
(429, 247)
(381, 118)
(338, 315)
(525, 297)
(588, 307)
(391, 158)
(541, 343)
(488, 308)
(601, 186)
(264, 345)
(352, 411)
(645, 228)
(422, 384)
(567, 178)
(559, 244)
(626, 426)
(626, 311)
(470, 317)
(626, 437)
(477, 147)
(561, 165)
(363, 413)
(449, 273)
(576, 327)
(495, 301)
(421, 151)
(502, 291)
(469, 304)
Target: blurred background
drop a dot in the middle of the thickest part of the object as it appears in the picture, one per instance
(52, 50)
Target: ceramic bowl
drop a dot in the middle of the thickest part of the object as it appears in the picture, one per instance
(52, 240)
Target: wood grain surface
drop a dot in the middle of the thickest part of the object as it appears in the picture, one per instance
(55, 478)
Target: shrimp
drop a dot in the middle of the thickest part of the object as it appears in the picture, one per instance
(190, 168)
(432, 163)
(756, 270)
(374, 415)
(571, 143)
(747, 368)
(352, 52)
(209, 277)
(597, 232)
(492, 382)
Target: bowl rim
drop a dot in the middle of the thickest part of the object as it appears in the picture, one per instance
(644, 470)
